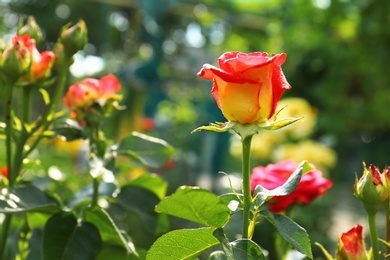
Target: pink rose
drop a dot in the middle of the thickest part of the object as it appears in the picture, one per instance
(311, 185)
(88, 92)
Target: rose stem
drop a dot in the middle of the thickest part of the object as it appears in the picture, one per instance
(246, 146)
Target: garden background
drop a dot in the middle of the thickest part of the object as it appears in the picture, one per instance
(338, 60)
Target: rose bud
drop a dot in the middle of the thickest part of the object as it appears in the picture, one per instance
(372, 187)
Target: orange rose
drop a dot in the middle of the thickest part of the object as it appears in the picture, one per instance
(247, 87)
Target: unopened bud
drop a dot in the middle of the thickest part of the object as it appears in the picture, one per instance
(31, 28)
(372, 188)
(74, 38)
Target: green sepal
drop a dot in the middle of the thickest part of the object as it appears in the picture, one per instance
(277, 124)
(324, 251)
(218, 127)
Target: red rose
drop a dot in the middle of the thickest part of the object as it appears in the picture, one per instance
(247, 87)
(311, 185)
(352, 244)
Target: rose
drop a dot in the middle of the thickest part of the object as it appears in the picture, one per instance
(311, 185)
(373, 187)
(247, 87)
(351, 245)
(22, 59)
(83, 95)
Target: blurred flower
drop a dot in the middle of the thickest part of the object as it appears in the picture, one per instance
(4, 172)
(31, 28)
(16, 59)
(311, 185)
(82, 96)
(147, 124)
(74, 38)
(317, 153)
(351, 245)
(297, 107)
(21, 60)
(372, 187)
(247, 87)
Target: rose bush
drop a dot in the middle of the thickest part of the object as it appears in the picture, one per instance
(247, 87)
(311, 185)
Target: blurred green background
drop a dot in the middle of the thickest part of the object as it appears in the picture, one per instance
(338, 62)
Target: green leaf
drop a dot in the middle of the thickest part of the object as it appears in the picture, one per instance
(246, 249)
(227, 248)
(262, 194)
(151, 182)
(239, 249)
(67, 239)
(217, 255)
(45, 95)
(107, 228)
(141, 202)
(26, 198)
(118, 253)
(233, 201)
(197, 205)
(182, 244)
(290, 231)
(151, 151)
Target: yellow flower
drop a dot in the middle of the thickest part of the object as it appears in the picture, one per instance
(317, 153)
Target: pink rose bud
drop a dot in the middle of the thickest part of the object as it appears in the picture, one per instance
(83, 97)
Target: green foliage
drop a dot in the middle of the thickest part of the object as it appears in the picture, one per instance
(290, 231)
(107, 229)
(197, 205)
(26, 198)
(191, 242)
(152, 183)
(65, 238)
(148, 150)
